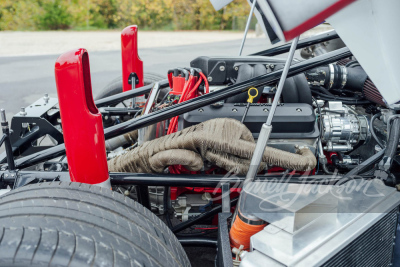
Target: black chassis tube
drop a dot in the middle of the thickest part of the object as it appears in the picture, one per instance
(146, 179)
(192, 104)
(323, 37)
(118, 98)
(198, 241)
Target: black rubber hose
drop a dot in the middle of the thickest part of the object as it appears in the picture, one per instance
(325, 169)
(371, 127)
(356, 78)
(198, 241)
(345, 100)
(325, 93)
(393, 140)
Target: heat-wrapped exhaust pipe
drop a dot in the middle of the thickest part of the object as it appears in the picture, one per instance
(226, 143)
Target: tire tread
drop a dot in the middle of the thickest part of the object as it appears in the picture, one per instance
(92, 214)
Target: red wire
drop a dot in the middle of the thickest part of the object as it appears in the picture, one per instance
(170, 81)
(205, 82)
(189, 91)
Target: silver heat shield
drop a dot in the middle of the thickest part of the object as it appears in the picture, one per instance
(352, 224)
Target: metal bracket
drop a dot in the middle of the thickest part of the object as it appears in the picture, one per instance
(226, 200)
(134, 76)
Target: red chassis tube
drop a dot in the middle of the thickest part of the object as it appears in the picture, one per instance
(131, 62)
(81, 121)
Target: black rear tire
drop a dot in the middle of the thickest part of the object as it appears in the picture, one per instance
(73, 224)
(115, 86)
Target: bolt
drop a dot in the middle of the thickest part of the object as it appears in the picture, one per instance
(234, 110)
(222, 68)
(200, 110)
(298, 110)
(209, 78)
(265, 110)
(106, 117)
(46, 98)
(272, 66)
(22, 112)
(236, 68)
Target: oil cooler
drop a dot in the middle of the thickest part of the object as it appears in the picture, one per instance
(322, 225)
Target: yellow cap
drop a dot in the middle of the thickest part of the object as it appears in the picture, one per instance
(252, 95)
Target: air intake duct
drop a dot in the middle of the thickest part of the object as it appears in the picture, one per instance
(349, 76)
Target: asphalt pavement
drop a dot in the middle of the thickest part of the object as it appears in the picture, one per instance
(24, 79)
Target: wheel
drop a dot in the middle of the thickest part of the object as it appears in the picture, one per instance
(115, 86)
(73, 224)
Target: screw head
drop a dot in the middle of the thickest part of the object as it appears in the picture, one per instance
(209, 78)
(200, 110)
(236, 68)
(265, 110)
(298, 110)
(234, 110)
(222, 68)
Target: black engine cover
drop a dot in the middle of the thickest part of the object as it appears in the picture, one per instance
(291, 121)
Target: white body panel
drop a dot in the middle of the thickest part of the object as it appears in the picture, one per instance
(370, 29)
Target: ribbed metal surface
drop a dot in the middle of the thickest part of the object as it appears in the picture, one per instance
(371, 93)
(374, 247)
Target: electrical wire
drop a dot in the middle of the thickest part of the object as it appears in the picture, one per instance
(319, 119)
(371, 127)
(326, 95)
(190, 90)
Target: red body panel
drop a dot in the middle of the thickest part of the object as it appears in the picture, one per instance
(81, 121)
(131, 61)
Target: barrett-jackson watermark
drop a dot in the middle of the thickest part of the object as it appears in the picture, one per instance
(276, 188)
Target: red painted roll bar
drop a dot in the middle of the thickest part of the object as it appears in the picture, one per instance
(81, 121)
(131, 62)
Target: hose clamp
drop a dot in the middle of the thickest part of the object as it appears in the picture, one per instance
(332, 75)
(344, 76)
(254, 221)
